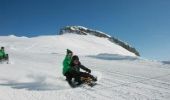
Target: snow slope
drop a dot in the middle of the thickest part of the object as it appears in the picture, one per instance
(34, 72)
(82, 45)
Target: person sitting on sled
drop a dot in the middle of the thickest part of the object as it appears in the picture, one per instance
(66, 67)
(75, 66)
(71, 69)
(3, 55)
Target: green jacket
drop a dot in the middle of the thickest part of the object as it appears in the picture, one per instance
(66, 64)
(2, 54)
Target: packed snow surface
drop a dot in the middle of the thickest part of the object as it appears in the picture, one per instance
(34, 71)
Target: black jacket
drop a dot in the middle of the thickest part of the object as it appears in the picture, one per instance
(78, 67)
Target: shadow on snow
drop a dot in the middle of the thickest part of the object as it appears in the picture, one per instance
(166, 62)
(105, 56)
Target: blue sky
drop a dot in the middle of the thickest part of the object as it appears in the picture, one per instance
(145, 24)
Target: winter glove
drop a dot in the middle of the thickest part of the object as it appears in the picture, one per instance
(89, 71)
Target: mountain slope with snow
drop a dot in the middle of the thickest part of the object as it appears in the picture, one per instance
(82, 45)
(34, 71)
(80, 30)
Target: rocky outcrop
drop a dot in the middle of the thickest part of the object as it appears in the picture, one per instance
(85, 31)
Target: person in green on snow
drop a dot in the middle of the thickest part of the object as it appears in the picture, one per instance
(3, 55)
(66, 67)
(66, 63)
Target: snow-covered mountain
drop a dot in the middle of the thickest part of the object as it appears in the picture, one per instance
(85, 31)
(34, 71)
(79, 44)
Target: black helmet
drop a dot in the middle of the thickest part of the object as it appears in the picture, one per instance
(75, 57)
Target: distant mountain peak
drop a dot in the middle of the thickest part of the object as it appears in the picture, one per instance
(80, 30)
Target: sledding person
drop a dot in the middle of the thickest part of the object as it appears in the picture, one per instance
(76, 65)
(3, 55)
(66, 66)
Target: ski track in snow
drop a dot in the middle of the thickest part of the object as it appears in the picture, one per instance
(38, 76)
